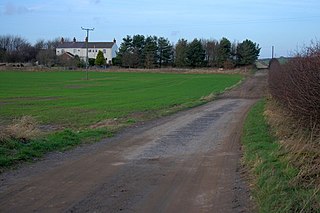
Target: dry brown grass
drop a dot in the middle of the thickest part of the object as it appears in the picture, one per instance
(106, 123)
(302, 146)
(118, 123)
(242, 70)
(209, 97)
(23, 129)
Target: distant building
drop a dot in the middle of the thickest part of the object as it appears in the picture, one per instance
(79, 48)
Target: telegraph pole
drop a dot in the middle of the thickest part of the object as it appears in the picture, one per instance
(87, 40)
(272, 52)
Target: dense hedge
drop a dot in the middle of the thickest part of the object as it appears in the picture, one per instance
(296, 85)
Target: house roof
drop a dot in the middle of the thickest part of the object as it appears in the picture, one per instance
(83, 45)
(67, 55)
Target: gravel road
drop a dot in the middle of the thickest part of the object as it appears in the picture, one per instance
(187, 162)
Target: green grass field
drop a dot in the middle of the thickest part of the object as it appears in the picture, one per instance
(64, 98)
(67, 101)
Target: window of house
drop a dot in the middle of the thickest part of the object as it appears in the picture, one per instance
(104, 51)
(62, 51)
(74, 50)
(89, 51)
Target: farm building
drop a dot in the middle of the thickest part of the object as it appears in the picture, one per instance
(79, 48)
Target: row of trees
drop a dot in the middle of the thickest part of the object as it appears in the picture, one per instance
(147, 52)
(17, 49)
(150, 52)
(14, 49)
(140, 51)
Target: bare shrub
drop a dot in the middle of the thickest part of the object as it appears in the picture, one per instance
(296, 85)
(229, 64)
(23, 129)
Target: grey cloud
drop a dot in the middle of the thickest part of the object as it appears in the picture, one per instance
(11, 9)
(175, 33)
(96, 1)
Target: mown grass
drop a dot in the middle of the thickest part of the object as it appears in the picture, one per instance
(70, 105)
(272, 174)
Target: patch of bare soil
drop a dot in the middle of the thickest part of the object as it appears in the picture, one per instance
(74, 86)
(33, 98)
(186, 162)
(253, 87)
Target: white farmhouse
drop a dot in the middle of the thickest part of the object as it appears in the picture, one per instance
(79, 48)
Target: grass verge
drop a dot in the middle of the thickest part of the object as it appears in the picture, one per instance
(13, 151)
(273, 175)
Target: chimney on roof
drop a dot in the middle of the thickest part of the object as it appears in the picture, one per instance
(74, 39)
(114, 40)
(62, 40)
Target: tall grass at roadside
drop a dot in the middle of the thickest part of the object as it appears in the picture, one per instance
(13, 151)
(273, 175)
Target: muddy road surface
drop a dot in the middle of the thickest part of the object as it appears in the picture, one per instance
(187, 162)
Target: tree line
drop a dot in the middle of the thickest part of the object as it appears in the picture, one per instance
(147, 52)
(15, 49)
(139, 51)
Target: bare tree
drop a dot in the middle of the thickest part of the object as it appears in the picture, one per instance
(211, 49)
(46, 57)
(296, 85)
(16, 49)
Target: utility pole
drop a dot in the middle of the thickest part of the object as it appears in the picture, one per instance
(87, 40)
(272, 52)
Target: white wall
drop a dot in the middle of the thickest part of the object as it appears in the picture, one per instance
(92, 52)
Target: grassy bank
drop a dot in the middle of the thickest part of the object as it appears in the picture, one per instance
(61, 110)
(275, 188)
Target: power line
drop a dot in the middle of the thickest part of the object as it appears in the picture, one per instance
(184, 24)
(87, 41)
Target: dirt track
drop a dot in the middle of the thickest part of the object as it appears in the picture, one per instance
(187, 162)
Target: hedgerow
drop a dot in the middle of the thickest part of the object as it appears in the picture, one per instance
(296, 86)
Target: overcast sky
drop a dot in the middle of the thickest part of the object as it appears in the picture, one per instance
(287, 25)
